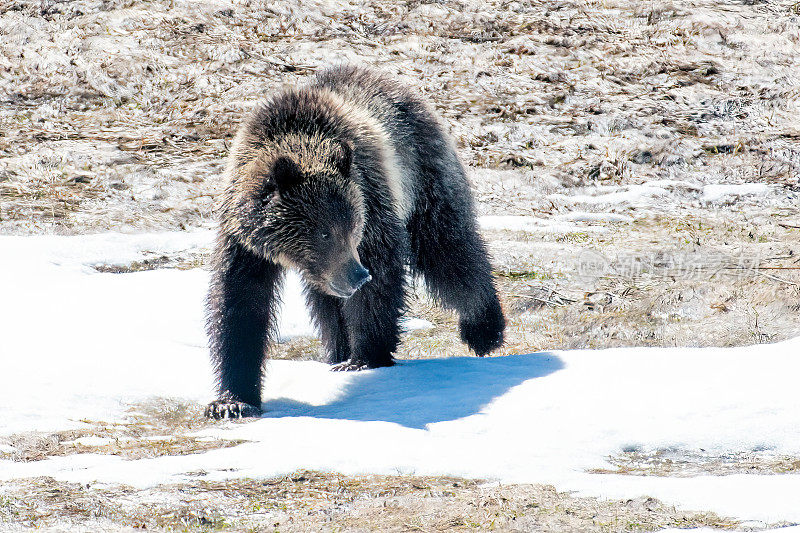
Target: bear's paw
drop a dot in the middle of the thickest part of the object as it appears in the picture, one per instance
(349, 366)
(221, 409)
(485, 333)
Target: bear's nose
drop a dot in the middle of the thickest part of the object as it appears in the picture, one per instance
(358, 276)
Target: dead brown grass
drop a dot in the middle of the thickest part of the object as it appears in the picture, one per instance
(683, 463)
(315, 501)
(155, 428)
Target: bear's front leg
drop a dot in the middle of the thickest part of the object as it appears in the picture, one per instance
(372, 314)
(241, 316)
(326, 311)
(451, 255)
(482, 329)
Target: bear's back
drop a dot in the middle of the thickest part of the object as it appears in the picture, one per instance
(402, 113)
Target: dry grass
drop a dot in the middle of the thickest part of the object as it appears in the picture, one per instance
(153, 428)
(300, 348)
(125, 120)
(129, 132)
(314, 501)
(682, 463)
(185, 261)
(123, 123)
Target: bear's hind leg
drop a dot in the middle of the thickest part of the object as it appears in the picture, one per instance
(326, 312)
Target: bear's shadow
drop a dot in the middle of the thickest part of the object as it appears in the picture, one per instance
(415, 393)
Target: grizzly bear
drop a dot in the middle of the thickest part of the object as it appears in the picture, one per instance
(349, 180)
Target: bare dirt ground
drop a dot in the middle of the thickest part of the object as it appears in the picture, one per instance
(610, 123)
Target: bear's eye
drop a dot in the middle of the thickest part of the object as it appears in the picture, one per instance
(324, 235)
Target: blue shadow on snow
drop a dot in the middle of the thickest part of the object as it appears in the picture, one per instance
(415, 393)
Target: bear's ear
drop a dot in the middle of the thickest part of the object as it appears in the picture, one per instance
(343, 157)
(286, 174)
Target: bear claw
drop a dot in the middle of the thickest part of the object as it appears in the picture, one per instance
(221, 409)
(349, 366)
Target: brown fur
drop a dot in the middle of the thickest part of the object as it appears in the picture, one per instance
(351, 181)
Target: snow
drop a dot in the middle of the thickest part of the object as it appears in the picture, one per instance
(579, 216)
(532, 225)
(103, 329)
(652, 193)
(717, 192)
(45, 251)
(634, 195)
(80, 344)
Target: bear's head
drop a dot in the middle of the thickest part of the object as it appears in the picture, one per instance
(301, 210)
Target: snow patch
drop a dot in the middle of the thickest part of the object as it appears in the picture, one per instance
(532, 225)
(579, 216)
(82, 344)
(635, 195)
(716, 192)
